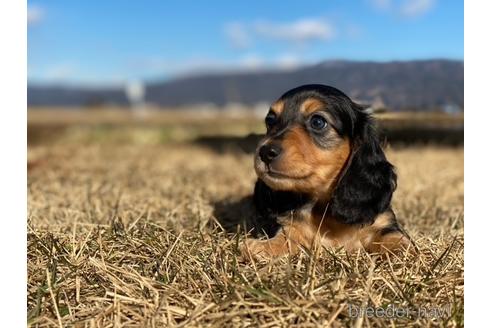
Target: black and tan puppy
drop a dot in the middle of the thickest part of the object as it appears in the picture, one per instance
(322, 177)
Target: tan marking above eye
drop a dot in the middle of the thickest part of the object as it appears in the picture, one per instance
(311, 105)
(277, 107)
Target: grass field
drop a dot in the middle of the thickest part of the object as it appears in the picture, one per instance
(123, 232)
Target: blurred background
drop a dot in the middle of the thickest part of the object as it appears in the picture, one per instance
(159, 71)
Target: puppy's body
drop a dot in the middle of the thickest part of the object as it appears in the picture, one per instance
(323, 177)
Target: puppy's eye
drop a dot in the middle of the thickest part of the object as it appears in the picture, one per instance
(270, 119)
(318, 122)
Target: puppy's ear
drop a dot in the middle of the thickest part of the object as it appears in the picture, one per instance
(368, 181)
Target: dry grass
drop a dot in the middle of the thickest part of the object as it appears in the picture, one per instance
(125, 235)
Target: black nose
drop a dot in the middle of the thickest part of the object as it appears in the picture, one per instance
(269, 152)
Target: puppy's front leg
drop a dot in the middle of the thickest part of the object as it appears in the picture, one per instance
(288, 240)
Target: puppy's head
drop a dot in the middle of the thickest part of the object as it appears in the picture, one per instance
(320, 143)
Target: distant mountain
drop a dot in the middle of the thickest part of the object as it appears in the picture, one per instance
(398, 85)
(40, 95)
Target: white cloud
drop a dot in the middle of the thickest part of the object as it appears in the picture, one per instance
(35, 14)
(381, 4)
(414, 8)
(149, 64)
(243, 35)
(60, 72)
(354, 32)
(405, 8)
(309, 29)
(155, 67)
(287, 61)
(70, 73)
(237, 35)
(251, 62)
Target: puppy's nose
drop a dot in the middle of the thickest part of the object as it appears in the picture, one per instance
(269, 152)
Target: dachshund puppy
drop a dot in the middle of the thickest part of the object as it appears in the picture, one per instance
(322, 178)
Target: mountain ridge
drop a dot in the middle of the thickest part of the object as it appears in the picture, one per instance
(398, 85)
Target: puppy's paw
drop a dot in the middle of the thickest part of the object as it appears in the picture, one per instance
(395, 243)
(252, 249)
(265, 250)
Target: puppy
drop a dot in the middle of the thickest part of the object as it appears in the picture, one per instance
(322, 178)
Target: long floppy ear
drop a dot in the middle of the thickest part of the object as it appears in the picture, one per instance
(367, 184)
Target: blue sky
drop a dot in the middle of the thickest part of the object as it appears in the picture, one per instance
(113, 41)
